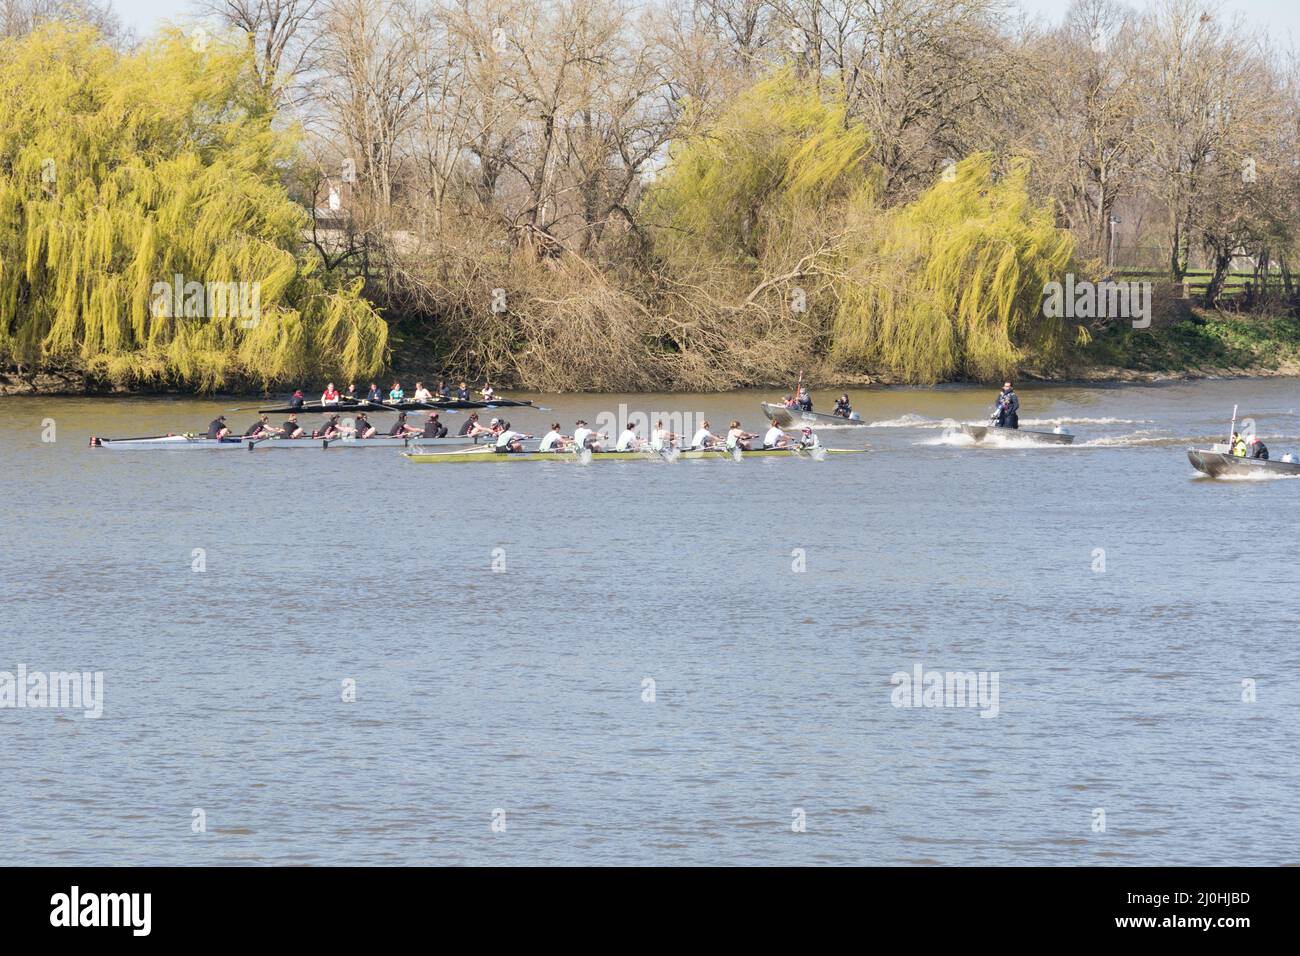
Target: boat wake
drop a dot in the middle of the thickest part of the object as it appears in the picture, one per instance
(1252, 476)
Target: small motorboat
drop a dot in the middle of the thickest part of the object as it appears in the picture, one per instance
(784, 417)
(986, 432)
(1217, 462)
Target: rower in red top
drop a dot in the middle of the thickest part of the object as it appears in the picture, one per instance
(330, 396)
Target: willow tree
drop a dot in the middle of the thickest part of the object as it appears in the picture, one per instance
(952, 284)
(144, 232)
(746, 220)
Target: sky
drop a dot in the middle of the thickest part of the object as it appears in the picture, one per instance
(1281, 17)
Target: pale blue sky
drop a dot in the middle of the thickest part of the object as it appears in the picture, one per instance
(1281, 17)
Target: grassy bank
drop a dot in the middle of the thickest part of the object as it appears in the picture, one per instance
(1200, 343)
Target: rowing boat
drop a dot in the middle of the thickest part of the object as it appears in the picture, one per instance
(189, 442)
(490, 454)
(364, 405)
(1217, 462)
(982, 432)
(784, 417)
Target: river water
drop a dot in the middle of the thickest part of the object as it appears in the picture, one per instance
(649, 662)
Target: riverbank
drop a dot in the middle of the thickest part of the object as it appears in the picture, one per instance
(1197, 344)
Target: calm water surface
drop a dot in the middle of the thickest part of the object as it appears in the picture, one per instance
(522, 690)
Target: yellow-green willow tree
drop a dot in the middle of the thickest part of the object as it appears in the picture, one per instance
(134, 185)
(951, 285)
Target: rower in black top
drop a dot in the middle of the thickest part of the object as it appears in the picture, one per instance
(400, 429)
(363, 426)
(434, 428)
(469, 425)
(291, 428)
(329, 430)
(259, 428)
(217, 428)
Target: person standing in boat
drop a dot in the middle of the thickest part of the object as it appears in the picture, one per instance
(1237, 447)
(1006, 411)
(330, 396)
(703, 437)
(433, 428)
(803, 398)
(842, 407)
(218, 429)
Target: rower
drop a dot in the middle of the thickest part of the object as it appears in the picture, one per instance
(362, 427)
(374, 394)
(510, 441)
(444, 393)
(296, 401)
(628, 440)
(259, 429)
(471, 423)
(842, 407)
(351, 393)
(422, 394)
(434, 428)
(1006, 410)
(1257, 449)
(402, 430)
(737, 437)
(661, 439)
(775, 438)
(217, 428)
(330, 396)
(703, 437)
(808, 438)
(585, 437)
(331, 429)
(291, 428)
(462, 392)
(553, 440)
(488, 392)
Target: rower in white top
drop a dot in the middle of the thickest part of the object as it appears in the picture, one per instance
(422, 394)
(808, 438)
(628, 440)
(705, 438)
(775, 438)
(554, 441)
(584, 437)
(661, 439)
(509, 441)
(738, 438)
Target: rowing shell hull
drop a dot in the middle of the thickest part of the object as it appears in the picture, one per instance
(783, 417)
(185, 443)
(487, 454)
(1217, 464)
(317, 408)
(982, 432)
